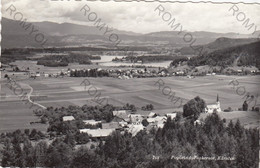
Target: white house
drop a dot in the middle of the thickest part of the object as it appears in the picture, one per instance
(119, 112)
(91, 122)
(211, 107)
(38, 74)
(68, 118)
(97, 133)
(134, 129)
(171, 115)
(136, 119)
(151, 114)
(157, 120)
(198, 122)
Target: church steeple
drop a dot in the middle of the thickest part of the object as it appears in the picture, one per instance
(217, 98)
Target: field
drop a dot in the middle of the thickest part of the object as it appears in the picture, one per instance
(67, 91)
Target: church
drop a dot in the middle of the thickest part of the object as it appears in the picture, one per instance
(210, 108)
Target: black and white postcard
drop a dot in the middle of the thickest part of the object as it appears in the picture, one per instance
(130, 84)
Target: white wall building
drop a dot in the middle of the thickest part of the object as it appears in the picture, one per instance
(171, 115)
(68, 118)
(211, 107)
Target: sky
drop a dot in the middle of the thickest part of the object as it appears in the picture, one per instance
(141, 17)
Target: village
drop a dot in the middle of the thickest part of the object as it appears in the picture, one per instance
(120, 73)
(108, 84)
(125, 120)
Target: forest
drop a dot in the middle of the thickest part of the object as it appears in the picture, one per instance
(212, 137)
(51, 63)
(12, 54)
(64, 60)
(8, 56)
(154, 149)
(144, 59)
(246, 55)
(52, 59)
(177, 60)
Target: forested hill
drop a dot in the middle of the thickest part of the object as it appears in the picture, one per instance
(244, 55)
(220, 43)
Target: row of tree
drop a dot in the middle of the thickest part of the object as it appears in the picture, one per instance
(144, 59)
(157, 148)
(89, 73)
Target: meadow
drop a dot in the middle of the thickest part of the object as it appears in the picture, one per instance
(58, 92)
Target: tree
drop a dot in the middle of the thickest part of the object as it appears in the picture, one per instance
(58, 155)
(28, 152)
(178, 116)
(83, 158)
(81, 138)
(148, 107)
(145, 122)
(8, 158)
(27, 132)
(245, 106)
(194, 107)
(17, 140)
(117, 145)
(70, 139)
(16, 69)
(33, 134)
(40, 151)
(244, 153)
(238, 129)
(44, 120)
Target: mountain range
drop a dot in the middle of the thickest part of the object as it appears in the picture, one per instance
(69, 34)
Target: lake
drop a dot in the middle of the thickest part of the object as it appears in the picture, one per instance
(106, 60)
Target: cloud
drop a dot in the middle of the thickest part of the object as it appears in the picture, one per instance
(140, 17)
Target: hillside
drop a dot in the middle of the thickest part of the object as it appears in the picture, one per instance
(218, 44)
(245, 55)
(69, 34)
(55, 29)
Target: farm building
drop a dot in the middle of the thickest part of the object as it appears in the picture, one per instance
(119, 112)
(152, 114)
(134, 129)
(171, 115)
(68, 118)
(97, 133)
(121, 117)
(157, 120)
(91, 122)
(136, 118)
(110, 125)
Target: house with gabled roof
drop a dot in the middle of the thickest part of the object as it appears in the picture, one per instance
(136, 119)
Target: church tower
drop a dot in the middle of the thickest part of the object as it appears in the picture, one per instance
(218, 103)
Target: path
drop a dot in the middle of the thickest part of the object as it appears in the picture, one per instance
(29, 97)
